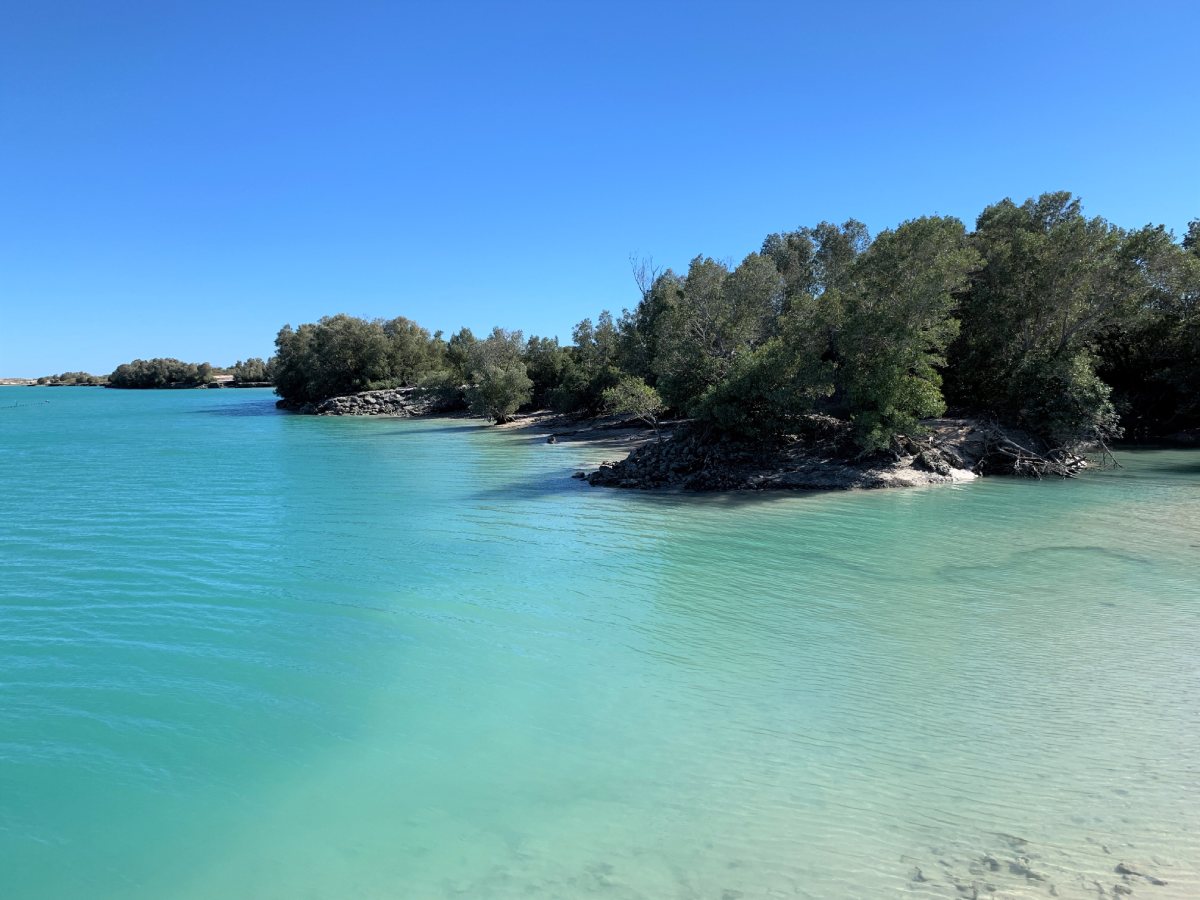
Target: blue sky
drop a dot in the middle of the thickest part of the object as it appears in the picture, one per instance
(183, 178)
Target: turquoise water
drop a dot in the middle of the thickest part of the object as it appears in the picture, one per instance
(252, 655)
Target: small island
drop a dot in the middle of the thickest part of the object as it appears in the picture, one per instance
(71, 379)
(160, 373)
(145, 374)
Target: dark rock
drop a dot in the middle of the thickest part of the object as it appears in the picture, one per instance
(822, 455)
(295, 406)
(1137, 871)
(952, 457)
(932, 460)
(903, 446)
(1021, 867)
(397, 402)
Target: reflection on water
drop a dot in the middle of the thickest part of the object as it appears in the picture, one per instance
(269, 656)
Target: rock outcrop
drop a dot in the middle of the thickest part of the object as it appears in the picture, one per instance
(823, 457)
(404, 403)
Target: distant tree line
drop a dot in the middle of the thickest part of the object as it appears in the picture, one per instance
(1069, 327)
(160, 373)
(73, 378)
(250, 371)
(164, 373)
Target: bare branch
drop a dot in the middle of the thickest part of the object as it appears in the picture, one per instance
(645, 273)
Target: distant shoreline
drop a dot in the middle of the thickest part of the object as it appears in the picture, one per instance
(678, 457)
(33, 382)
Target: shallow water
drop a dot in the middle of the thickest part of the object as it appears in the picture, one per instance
(251, 655)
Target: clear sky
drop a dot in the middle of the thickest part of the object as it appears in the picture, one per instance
(183, 178)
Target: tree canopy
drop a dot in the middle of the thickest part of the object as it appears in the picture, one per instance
(252, 370)
(1067, 326)
(160, 373)
(73, 378)
(499, 382)
(343, 355)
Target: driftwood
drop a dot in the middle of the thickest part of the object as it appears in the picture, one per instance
(1009, 453)
(1104, 457)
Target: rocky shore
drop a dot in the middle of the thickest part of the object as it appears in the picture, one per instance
(404, 403)
(823, 457)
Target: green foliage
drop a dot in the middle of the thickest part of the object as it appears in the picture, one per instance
(343, 355)
(1042, 318)
(1054, 288)
(1191, 240)
(443, 388)
(631, 396)
(1150, 355)
(73, 378)
(639, 328)
(794, 257)
(1064, 399)
(837, 249)
(499, 383)
(338, 355)
(690, 355)
(252, 370)
(1180, 366)
(589, 368)
(412, 351)
(862, 328)
(546, 364)
(897, 323)
(718, 316)
(457, 355)
(816, 261)
(572, 393)
(160, 373)
(770, 388)
(767, 391)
